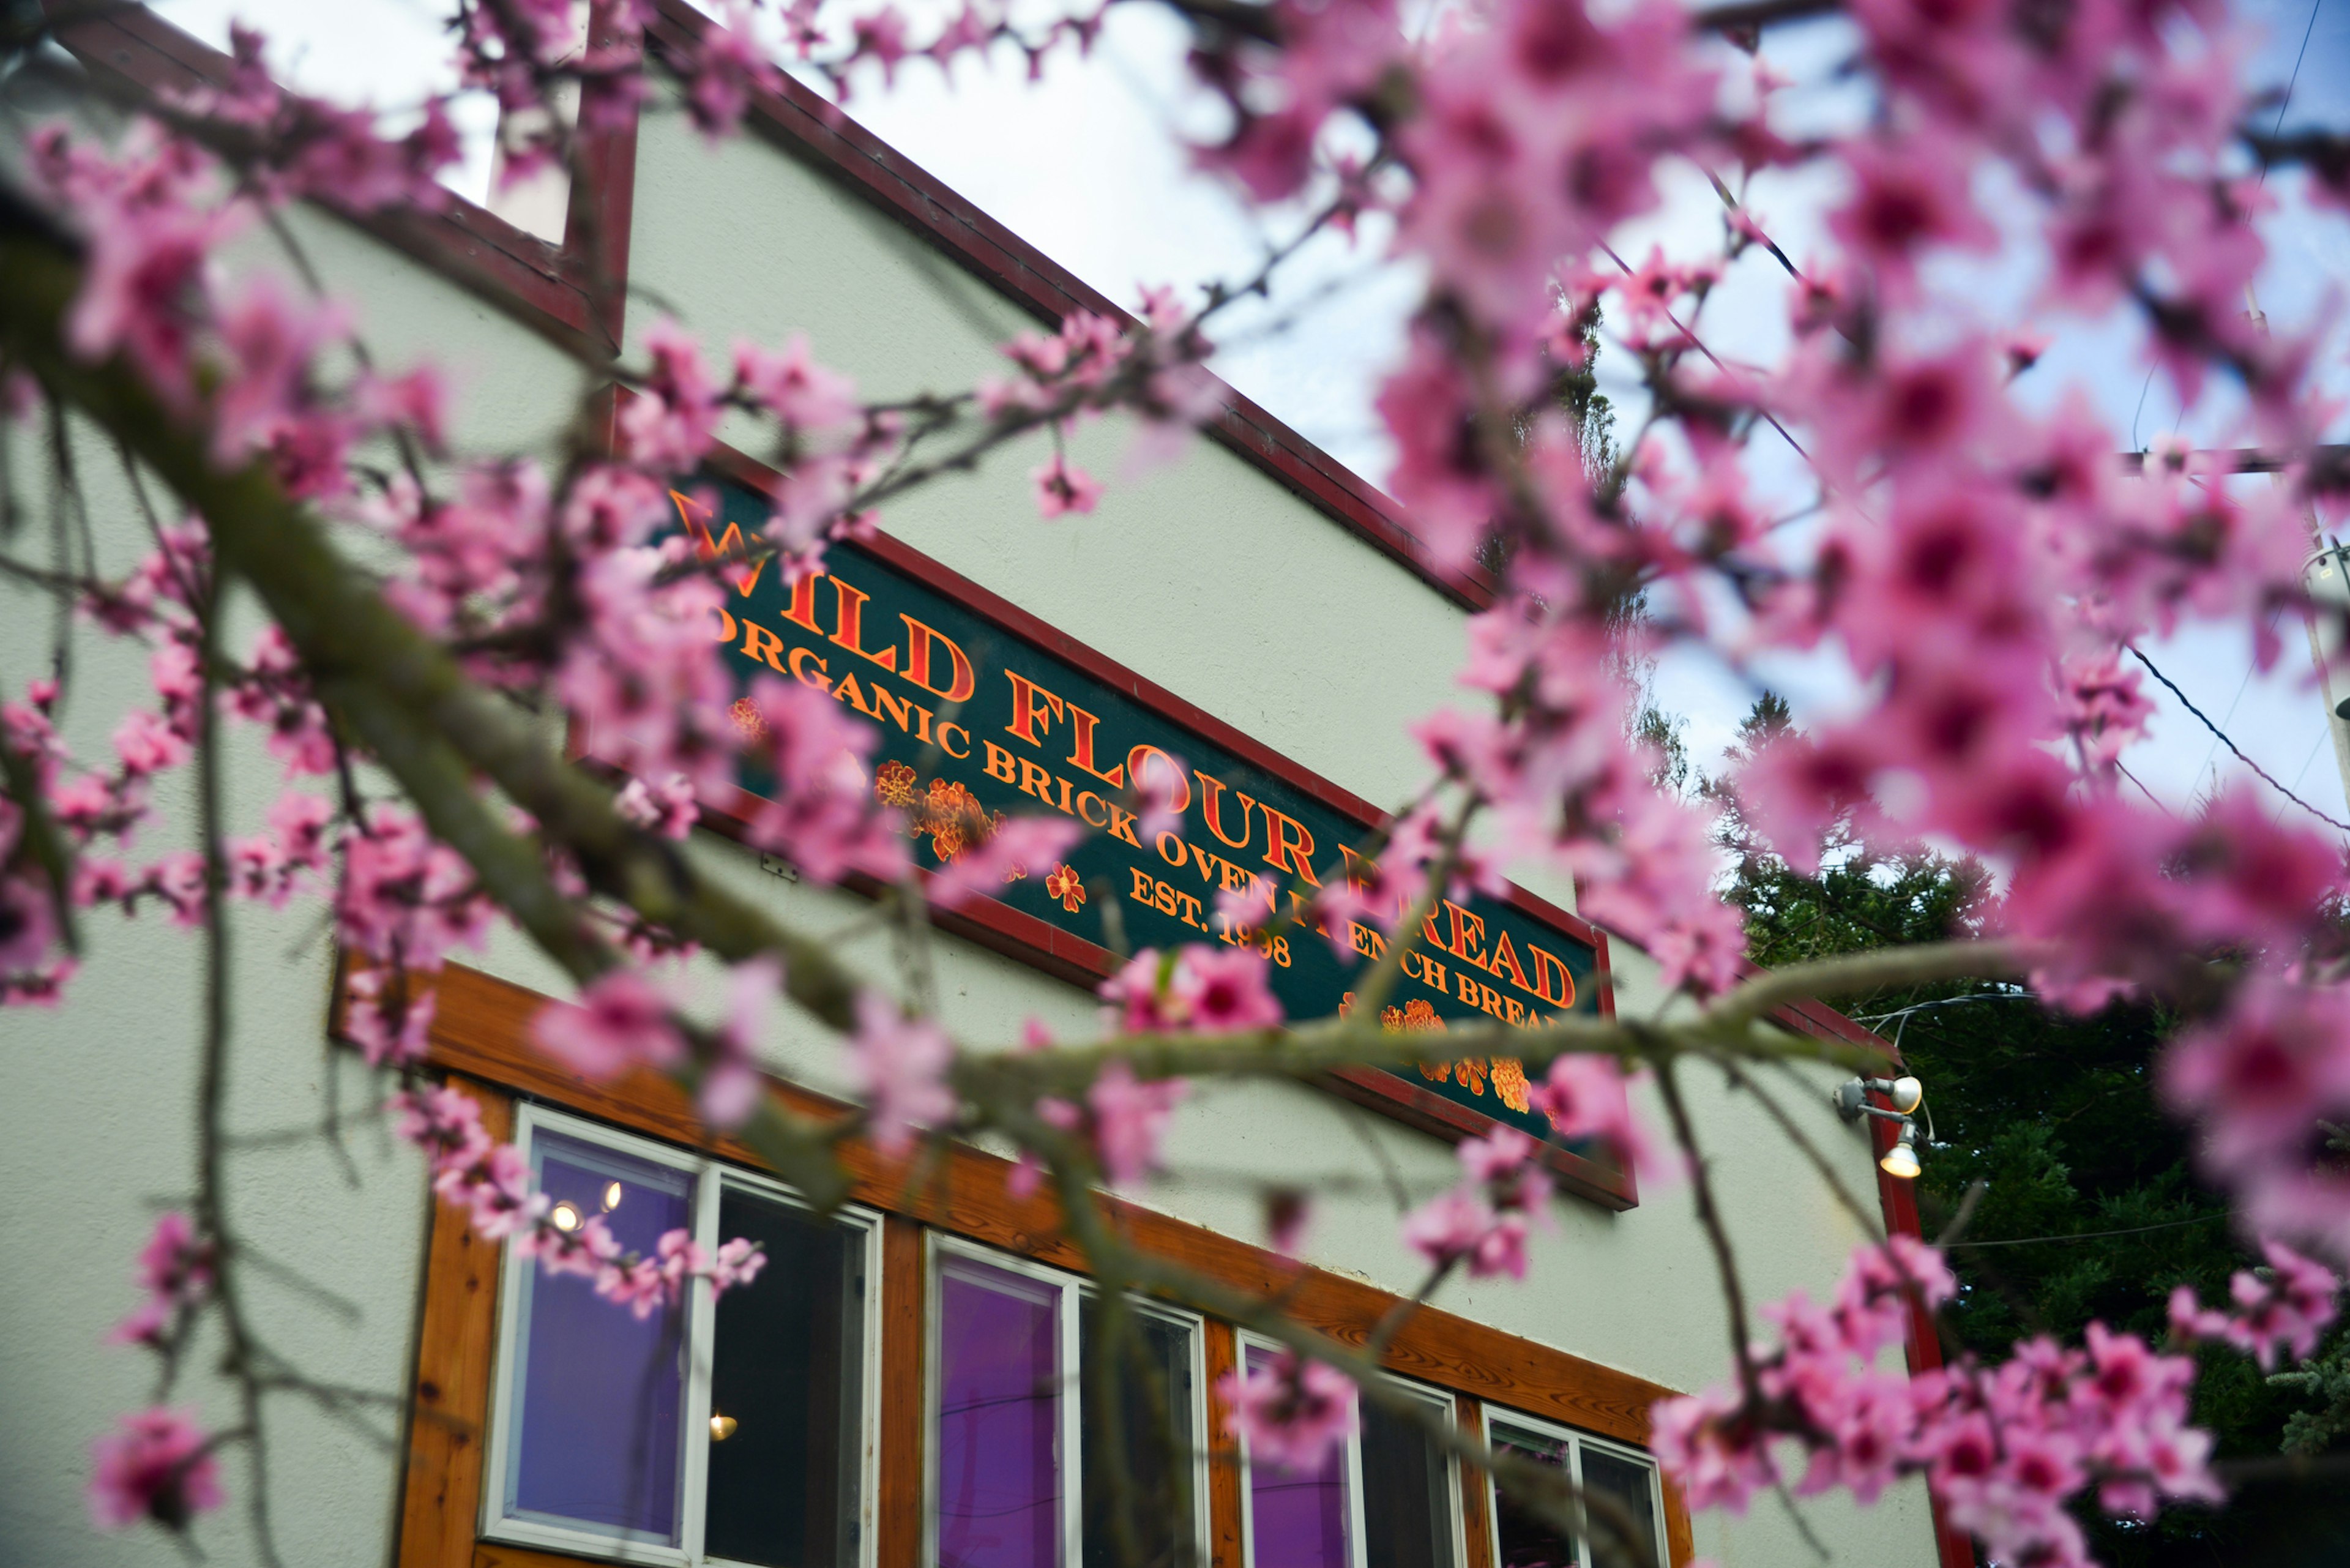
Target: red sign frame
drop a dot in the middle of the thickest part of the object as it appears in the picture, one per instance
(1073, 958)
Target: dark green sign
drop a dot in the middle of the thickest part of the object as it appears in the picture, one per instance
(977, 721)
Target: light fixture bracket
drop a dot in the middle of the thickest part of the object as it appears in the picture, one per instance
(1851, 1097)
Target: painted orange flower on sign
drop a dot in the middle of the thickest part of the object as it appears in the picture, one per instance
(953, 817)
(893, 785)
(1510, 1082)
(1065, 885)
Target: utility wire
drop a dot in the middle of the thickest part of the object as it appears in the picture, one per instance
(2232, 745)
(2088, 1235)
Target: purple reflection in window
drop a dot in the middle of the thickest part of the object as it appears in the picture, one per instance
(1297, 1519)
(999, 1473)
(599, 1406)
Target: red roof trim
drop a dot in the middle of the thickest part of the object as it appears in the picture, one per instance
(576, 293)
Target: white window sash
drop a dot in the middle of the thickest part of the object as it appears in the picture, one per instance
(1244, 1341)
(1575, 1441)
(709, 1178)
(1070, 1449)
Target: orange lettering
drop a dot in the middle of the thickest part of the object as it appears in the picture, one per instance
(1211, 799)
(745, 578)
(1081, 749)
(1504, 961)
(1025, 713)
(1001, 763)
(1288, 845)
(851, 692)
(900, 713)
(761, 643)
(1547, 964)
(1091, 820)
(948, 747)
(849, 625)
(725, 624)
(801, 610)
(803, 656)
(1035, 781)
(920, 640)
(1468, 930)
(1121, 824)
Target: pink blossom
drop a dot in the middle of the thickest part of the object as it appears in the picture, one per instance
(1223, 992)
(28, 928)
(1062, 486)
(156, 1465)
(148, 744)
(140, 291)
(622, 1021)
(175, 1269)
(1129, 1117)
(1289, 1411)
(731, 1086)
(724, 71)
(1589, 1097)
(900, 1066)
(793, 386)
(667, 808)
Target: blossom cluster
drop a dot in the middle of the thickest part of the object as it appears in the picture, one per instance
(492, 1181)
(2004, 1448)
(1289, 1410)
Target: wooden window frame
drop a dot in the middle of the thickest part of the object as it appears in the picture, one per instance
(481, 1040)
(711, 1177)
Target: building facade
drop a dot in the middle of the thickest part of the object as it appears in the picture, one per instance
(896, 1392)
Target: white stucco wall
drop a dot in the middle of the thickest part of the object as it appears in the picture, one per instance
(1205, 576)
(99, 1093)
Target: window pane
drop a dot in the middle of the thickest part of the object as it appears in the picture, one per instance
(1526, 1541)
(1158, 1442)
(600, 1392)
(1298, 1520)
(1606, 1475)
(1407, 1494)
(998, 1466)
(786, 1387)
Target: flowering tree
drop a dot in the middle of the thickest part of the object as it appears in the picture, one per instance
(1981, 570)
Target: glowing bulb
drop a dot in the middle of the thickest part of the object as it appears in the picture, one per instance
(1900, 1160)
(1907, 1095)
(721, 1428)
(612, 1193)
(565, 1217)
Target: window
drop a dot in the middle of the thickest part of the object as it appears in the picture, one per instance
(1010, 1422)
(729, 1431)
(1621, 1480)
(1384, 1498)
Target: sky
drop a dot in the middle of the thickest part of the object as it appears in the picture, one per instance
(1091, 165)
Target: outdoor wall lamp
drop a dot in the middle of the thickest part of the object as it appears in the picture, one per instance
(1901, 1159)
(1851, 1101)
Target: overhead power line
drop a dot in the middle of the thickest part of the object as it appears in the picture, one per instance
(2175, 692)
(2087, 1235)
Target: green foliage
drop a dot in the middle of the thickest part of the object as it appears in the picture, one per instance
(2044, 1130)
